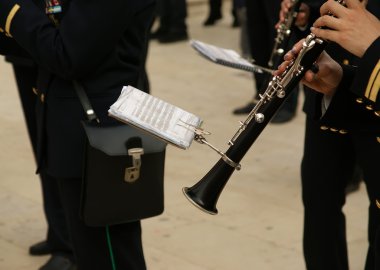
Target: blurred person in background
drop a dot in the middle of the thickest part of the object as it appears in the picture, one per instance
(172, 21)
(215, 12)
(262, 18)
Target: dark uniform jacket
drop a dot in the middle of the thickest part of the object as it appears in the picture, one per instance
(356, 104)
(99, 43)
(341, 117)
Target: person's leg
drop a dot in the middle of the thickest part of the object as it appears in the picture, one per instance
(288, 109)
(163, 21)
(261, 19)
(368, 151)
(234, 13)
(164, 12)
(106, 248)
(57, 240)
(57, 236)
(178, 23)
(177, 28)
(215, 12)
(241, 13)
(327, 164)
(259, 81)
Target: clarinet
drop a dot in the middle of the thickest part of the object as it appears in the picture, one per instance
(205, 193)
(284, 31)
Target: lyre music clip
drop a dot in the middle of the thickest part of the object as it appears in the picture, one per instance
(197, 130)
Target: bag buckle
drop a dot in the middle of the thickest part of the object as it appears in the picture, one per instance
(133, 173)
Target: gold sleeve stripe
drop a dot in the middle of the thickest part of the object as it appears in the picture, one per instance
(372, 83)
(8, 22)
(375, 88)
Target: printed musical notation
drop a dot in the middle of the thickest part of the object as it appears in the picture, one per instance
(155, 116)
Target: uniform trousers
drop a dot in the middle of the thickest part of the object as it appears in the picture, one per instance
(215, 7)
(100, 248)
(328, 164)
(262, 16)
(57, 233)
(173, 15)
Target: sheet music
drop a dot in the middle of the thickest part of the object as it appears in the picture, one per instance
(155, 116)
(226, 57)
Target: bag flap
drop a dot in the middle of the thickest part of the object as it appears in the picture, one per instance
(112, 139)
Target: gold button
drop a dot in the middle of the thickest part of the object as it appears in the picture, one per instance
(346, 62)
(377, 113)
(334, 129)
(35, 91)
(377, 203)
(324, 128)
(42, 98)
(369, 107)
(343, 131)
(359, 100)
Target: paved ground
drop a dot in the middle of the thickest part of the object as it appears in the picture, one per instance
(260, 221)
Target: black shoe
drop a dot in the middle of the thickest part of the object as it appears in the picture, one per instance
(157, 34)
(245, 109)
(58, 262)
(211, 20)
(170, 37)
(282, 116)
(41, 248)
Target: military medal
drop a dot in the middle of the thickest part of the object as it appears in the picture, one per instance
(53, 7)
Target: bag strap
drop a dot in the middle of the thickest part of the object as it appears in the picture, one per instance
(86, 104)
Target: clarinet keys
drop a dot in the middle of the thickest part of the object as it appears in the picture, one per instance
(259, 117)
(281, 93)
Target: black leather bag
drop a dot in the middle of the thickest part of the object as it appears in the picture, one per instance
(123, 177)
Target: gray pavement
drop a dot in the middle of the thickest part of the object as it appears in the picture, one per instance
(259, 225)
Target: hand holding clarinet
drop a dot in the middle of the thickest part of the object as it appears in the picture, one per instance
(352, 27)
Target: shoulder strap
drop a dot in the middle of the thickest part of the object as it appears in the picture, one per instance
(87, 107)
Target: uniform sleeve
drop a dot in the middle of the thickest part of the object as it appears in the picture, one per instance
(347, 111)
(8, 46)
(88, 32)
(366, 84)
